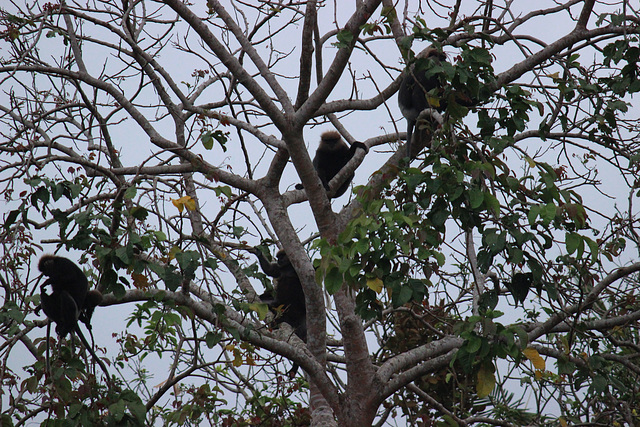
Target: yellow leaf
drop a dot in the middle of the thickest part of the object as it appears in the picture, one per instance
(184, 202)
(190, 204)
(486, 382)
(434, 101)
(563, 422)
(140, 281)
(237, 358)
(532, 163)
(375, 284)
(178, 204)
(173, 251)
(535, 358)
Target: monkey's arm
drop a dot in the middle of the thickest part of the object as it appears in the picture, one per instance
(267, 298)
(270, 269)
(343, 177)
(326, 174)
(36, 311)
(355, 146)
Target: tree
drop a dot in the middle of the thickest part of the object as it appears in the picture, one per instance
(491, 279)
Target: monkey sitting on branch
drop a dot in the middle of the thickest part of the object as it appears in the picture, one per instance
(331, 156)
(69, 301)
(416, 90)
(287, 299)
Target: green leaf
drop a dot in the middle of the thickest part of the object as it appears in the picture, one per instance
(492, 203)
(333, 280)
(522, 335)
(404, 296)
(139, 213)
(548, 213)
(11, 218)
(593, 248)
(223, 190)
(212, 338)
(260, 308)
(209, 137)
(171, 279)
(573, 243)
(476, 197)
(345, 38)
(130, 192)
(41, 194)
(474, 344)
(600, 384)
(488, 300)
(207, 140)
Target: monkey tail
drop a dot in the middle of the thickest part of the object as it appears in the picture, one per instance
(47, 365)
(293, 371)
(93, 354)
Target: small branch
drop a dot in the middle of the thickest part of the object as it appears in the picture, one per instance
(478, 278)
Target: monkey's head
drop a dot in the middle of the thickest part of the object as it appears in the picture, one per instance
(330, 140)
(47, 265)
(282, 259)
(431, 53)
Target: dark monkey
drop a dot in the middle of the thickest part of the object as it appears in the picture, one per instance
(60, 307)
(415, 88)
(287, 296)
(69, 300)
(331, 156)
(64, 275)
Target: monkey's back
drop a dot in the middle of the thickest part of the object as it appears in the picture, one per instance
(329, 160)
(65, 275)
(413, 95)
(289, 294)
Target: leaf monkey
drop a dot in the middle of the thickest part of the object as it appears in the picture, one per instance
(415, 93)
(331, 156)
(68, 302)
(64, 275)
(287, 298)
(422, 88)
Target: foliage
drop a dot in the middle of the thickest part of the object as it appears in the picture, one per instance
(492, 279)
